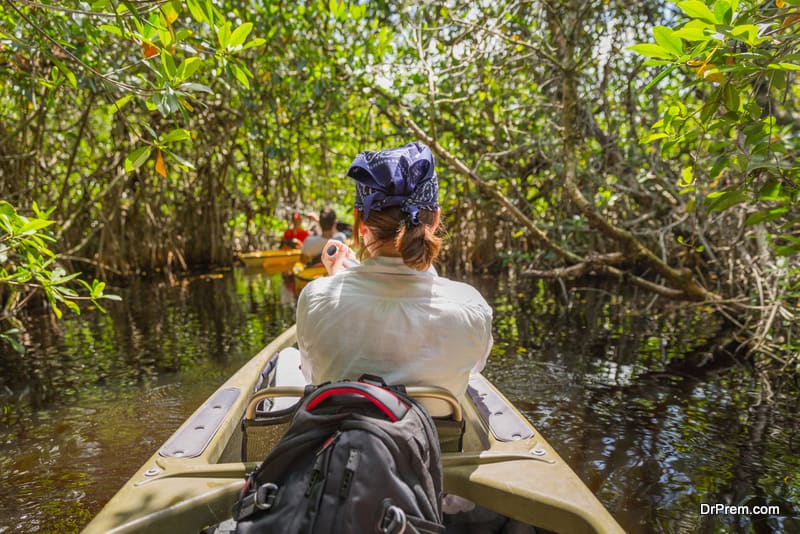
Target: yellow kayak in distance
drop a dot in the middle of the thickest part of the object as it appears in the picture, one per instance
(501, 461)
(272, 261)
(303, 275)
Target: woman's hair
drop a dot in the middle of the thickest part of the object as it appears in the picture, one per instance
(419, 245)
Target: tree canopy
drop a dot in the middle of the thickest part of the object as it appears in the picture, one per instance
(655, 142)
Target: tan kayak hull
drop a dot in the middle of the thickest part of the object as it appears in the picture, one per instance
(524, 479)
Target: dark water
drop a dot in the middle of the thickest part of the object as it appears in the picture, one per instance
(96, 394)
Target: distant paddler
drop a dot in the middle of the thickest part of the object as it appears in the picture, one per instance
(313, 245)
(295, 235)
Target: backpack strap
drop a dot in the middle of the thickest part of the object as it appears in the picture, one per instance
(387, 402)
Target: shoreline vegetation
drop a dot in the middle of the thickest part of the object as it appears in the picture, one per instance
(654, 144)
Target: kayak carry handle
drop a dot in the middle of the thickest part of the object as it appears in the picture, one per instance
(428, 392)
(268, 393)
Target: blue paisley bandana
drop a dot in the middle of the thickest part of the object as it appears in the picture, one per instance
(403, 176)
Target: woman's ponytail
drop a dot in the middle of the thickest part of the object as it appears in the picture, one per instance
(418, 245)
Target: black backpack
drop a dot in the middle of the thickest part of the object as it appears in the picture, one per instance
(358, 457)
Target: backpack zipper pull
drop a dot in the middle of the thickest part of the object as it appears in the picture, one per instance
(349, 472)
(329, 442)
(316, 471)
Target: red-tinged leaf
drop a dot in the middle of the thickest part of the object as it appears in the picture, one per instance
(149, 50)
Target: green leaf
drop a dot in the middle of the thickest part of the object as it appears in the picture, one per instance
(197, 11)
(767, 161)
(723, 11)
(59, 277)
(694, 30)
(747, 33)
(209, 11)
(253, 43)
(72, 306)
(7, 209)
(191, 86)
(178, 134)
(654, 137)
(240, 34)
(33, 225)
(168, 103)
(765, 216)
(240, 75)
(698, 10)
(710, 107)
(110, 28)
(97, 288)
(358, 11)
(667, 39)
(62, 68)
(10, 337)
(731, 97)
(224, 34)
(137, 158)
(183, 161)
(120, 103)
(772, 191)
(651, 50)
(783, 66)
(657, 63)
(726, 199)
(658, 78)
(149, 130)
(169, 64)
(127, 4)
(787, 250)
(687, 177)
(188, 67)
(777, 79)
(164, 35)
(336, 8)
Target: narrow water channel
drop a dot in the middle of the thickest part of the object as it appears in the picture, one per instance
(95, 395)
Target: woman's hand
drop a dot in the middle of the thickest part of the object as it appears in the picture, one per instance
(335, 263)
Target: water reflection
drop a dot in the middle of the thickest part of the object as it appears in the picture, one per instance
(97, 394)
(605, 384)
(652, 437)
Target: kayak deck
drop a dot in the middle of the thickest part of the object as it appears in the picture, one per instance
(505, 466)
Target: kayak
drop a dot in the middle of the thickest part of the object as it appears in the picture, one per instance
(501, 462)
(273, 261)
(303, 275)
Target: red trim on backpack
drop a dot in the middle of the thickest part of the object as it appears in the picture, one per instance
(344, 390)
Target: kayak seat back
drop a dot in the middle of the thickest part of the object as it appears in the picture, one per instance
(263, 425)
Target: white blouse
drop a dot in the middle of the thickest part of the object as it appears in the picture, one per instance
(409, 327)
